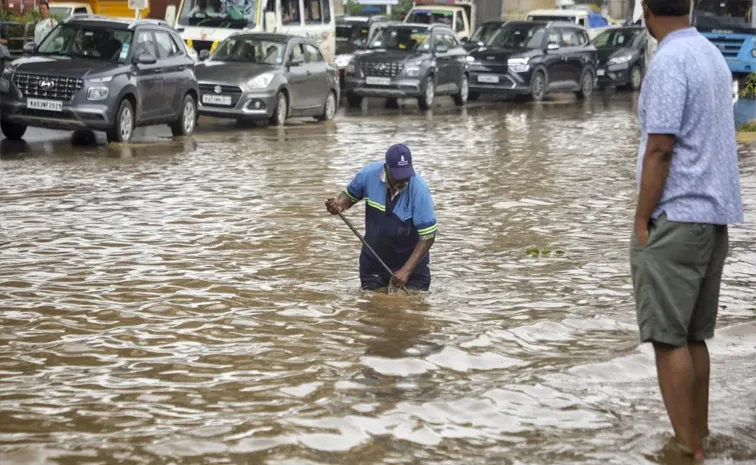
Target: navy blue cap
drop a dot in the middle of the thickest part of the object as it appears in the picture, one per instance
(399, 161)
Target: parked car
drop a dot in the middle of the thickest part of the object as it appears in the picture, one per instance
(406, 60)
(528, 58)
(352, 34)
(267, 76)
(482, 33)
(101, 74)
(621, 54)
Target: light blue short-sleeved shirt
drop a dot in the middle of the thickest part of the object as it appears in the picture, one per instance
(687, 93)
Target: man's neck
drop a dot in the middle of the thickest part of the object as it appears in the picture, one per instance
(666, 26)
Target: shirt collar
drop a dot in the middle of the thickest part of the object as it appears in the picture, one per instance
(680, 33)
(383, 180)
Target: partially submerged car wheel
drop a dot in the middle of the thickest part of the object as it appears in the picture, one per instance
(123, 128)
(187, 119)
(329, 108)
(426, 101)
(538, 86)
(636, 78)
(13, 131)
(281, 111)
(460, 98)
(586, 85)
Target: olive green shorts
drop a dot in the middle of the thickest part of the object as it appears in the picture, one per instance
(676, 280)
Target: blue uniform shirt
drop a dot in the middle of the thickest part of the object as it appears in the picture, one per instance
(392, 229)
(688, 93)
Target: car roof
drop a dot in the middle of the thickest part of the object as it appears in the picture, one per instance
(272, 36)
(114, 22)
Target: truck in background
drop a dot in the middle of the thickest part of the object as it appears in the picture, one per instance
(112, 8)
(458, 14)
(731, 26)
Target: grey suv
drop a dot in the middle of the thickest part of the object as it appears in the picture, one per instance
(103, 74)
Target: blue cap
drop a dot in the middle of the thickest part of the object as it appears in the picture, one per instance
(399, 161)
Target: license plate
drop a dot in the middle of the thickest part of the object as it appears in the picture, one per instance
(488, 79)
(39, 104)
(377, 81)
(601, 72)
(216, 99)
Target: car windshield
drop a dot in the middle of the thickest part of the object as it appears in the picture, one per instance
(234, 14)
(60, 11)
(616, 38)
(404, 38)
(518, 37)
(736, 15)
(421, 16)
(484, 32)
(354, 33)
(250, 50)
(98, 43)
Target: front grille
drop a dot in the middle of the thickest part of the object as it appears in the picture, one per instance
(62, 88)
(488, 68)
(233, 91)
(381, 69)
(729, 46)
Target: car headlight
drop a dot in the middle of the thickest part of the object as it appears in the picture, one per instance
(8, 70)
(518, 65)
(412, 71)
(470, 59)
(350, 68)
(620, 60)
(342, 61)
(101, 79)
(260, 82)
(97, 93)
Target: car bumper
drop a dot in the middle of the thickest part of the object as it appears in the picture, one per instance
(397, 88)
(613, 75)
(493, 83)
(250, 105)
(94, 116)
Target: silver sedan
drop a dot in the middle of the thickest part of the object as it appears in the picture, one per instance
(267, 76)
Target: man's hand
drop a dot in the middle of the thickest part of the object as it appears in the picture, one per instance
(400, 278)
(334, 206)
(641, 232)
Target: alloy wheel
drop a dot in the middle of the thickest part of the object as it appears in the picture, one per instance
(127, 124)
(189, 117)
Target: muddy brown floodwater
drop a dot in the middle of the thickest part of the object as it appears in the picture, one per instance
(191, 303)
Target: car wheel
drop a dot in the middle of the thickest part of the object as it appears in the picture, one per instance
(281, 111)
(354, 100)
(329, 108)
(636, 78)
(13, 131)
(187, 119)
(472, 96)
(586, 85)
(461, 97)
(123, 128)
(429, 94)
(538, 86)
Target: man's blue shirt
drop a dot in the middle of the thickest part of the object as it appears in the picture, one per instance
(687, 93)
(392, 229)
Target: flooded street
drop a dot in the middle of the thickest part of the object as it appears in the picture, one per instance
(191, 301)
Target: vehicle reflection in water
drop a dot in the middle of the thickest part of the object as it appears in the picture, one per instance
(190, 301)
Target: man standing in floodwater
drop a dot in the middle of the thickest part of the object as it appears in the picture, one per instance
(689, 191)
(400, 221)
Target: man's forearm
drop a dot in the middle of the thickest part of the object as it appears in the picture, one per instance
(421, 250)
(653, 178)
(344, 200)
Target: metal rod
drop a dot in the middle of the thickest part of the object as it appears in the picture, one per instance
(364, 242)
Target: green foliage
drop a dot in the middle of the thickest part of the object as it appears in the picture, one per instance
(399, 12)
(749, 90)
(353, 8)
(29, 16)
(749, 127)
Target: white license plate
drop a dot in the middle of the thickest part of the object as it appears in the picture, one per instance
(216, 99)
(377, 81)
(488, 79)
(39, 104)
(601, 72)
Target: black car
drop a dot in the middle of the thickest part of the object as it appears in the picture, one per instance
(102, 74)
(529, 58)
(352, 34)
(482, 33)
(621, 53)
(405, 60)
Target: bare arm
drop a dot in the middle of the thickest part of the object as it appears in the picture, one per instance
(656, 163)
(339, 204)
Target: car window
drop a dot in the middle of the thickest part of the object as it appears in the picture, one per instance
(450, 41)
(326, 12)
(312, 54)
(570, 38)
(80, 11)
(555, 36)
(313, 12)
(289, 11)
(460, 22)
(166, 46)
(145, 43)
(584, 39)
(296, 52)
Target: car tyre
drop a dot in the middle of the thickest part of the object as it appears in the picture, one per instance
(429, 94)
(13, 131)
(187, 119)
(123, 129)
(538, 86)
(636, 78)
(281, 112)
(460, 98)
(353, 100)
(586, 85)
(329, 107)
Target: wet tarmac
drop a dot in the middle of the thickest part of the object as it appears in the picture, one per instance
(190, 301)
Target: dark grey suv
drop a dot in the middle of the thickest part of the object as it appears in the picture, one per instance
(103, 74)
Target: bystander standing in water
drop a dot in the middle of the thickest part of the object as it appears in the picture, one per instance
(689, 192)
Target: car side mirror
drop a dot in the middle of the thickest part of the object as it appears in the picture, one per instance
(442, 49)
(203, 54)
(552, 46)
(146, 59)
(296, 61)
(29, 48)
